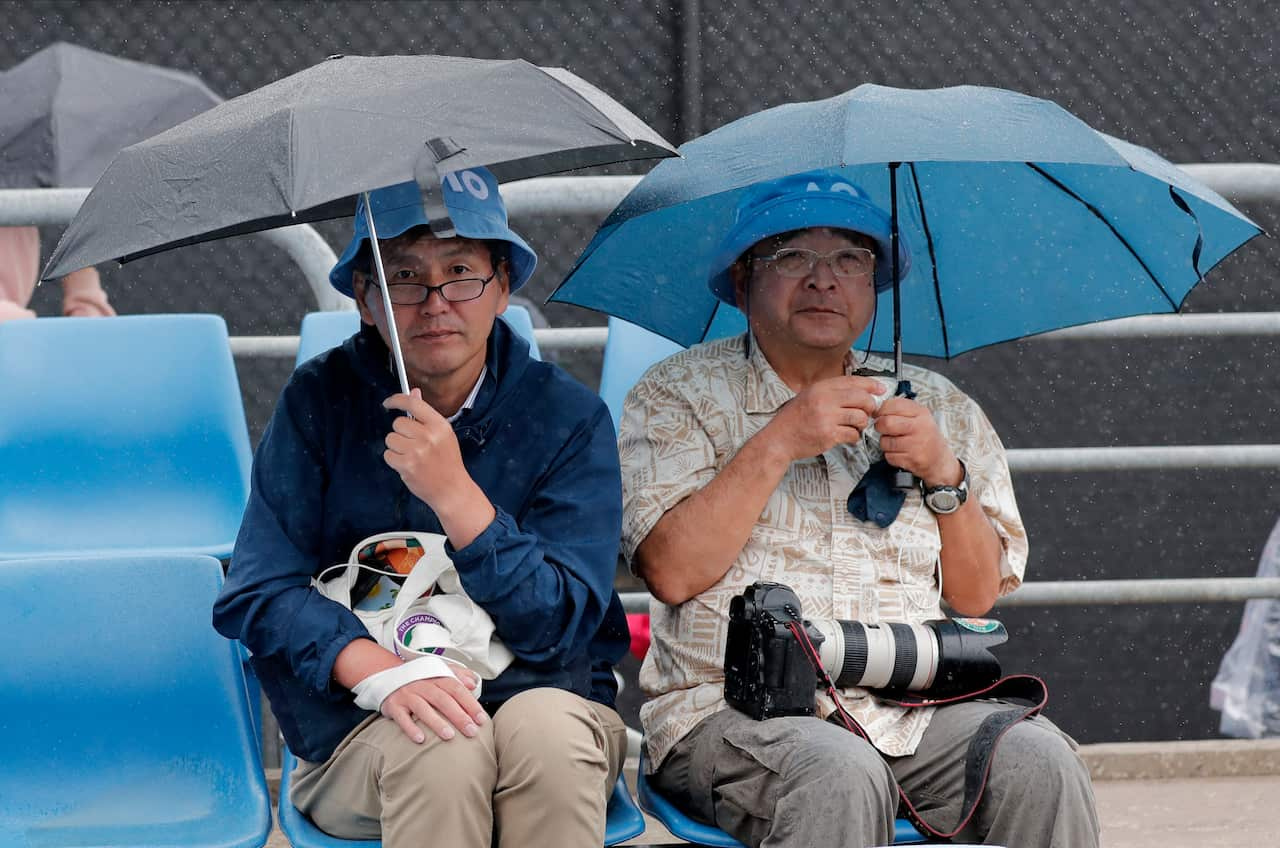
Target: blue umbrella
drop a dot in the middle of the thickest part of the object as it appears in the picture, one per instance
(1015, 218)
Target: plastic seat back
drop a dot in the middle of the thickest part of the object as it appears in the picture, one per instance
(324, 330)
(120, 436)
(623, 819)
(124, 720)
(630, 350)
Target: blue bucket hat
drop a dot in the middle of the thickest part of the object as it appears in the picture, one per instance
(474, 204)
(799, 201)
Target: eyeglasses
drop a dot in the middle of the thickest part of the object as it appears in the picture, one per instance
(405, 292)
(801, 261)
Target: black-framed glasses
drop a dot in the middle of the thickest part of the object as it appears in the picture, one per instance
(801, 261)
(405, 292)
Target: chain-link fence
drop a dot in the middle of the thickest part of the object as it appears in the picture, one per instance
(1194, 81)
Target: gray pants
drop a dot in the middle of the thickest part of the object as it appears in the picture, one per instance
(803, 781)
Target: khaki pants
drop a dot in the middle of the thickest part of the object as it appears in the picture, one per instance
(803, 781)
(539, 773)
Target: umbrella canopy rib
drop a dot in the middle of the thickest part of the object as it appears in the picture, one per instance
(933, 259)
(1103, 218)
(1195, 251)
(710, 320)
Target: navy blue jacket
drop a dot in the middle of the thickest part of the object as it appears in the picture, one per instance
(538, 443)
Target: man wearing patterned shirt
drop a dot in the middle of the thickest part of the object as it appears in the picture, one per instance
(738, 460)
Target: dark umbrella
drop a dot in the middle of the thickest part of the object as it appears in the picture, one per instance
(302, 148)
(305, 147)
(69, 110)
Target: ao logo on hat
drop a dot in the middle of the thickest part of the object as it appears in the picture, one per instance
(470, 180)
(838, 187)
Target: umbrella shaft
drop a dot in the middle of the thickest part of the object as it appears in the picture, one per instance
(893, 261)
(392, 331)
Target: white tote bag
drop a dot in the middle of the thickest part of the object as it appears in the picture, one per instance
(430, 613)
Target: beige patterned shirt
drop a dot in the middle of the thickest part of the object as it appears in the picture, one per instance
(684, 421)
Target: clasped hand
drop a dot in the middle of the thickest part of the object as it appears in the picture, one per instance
(439, 703)
(423, 449)
(839, 409)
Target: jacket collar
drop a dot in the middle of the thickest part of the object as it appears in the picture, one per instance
(506, 358)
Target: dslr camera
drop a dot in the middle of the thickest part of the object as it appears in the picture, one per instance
(768, 674)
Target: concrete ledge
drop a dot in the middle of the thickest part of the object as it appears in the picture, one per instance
(1186, 759)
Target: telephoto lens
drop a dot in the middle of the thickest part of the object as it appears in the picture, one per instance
(768, 672)
(936, 659)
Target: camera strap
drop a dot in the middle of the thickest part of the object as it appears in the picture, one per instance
(982, 746)
(1026, 688)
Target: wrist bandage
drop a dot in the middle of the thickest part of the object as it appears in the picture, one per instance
(374, 689)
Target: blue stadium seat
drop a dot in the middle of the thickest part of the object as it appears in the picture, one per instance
(323, 330)
(630, 350)
(672, 819)
(520, 320)
(124, 720)
(623, 820)
(120, 436)
(702, 834)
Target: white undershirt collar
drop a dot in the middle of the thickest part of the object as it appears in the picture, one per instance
(471, 398)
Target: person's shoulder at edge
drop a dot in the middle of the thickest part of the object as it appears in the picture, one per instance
(327, 388)
(554, 379)
(558, 393)
(321, 371)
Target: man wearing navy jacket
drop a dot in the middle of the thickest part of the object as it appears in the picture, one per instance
(515, 463)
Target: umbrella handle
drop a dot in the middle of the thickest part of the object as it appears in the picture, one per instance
(904, 480)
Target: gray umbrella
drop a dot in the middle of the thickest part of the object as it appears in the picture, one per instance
(302, 148)
(68, 110)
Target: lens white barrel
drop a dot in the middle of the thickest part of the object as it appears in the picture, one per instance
(876, 665)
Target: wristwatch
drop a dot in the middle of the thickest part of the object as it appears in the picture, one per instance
(944, 500)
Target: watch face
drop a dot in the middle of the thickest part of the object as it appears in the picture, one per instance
(943, 501)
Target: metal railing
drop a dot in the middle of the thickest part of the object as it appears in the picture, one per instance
(585, 196)
(1048, 593)
(306, 247)
(596, 196)
(555, 339)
